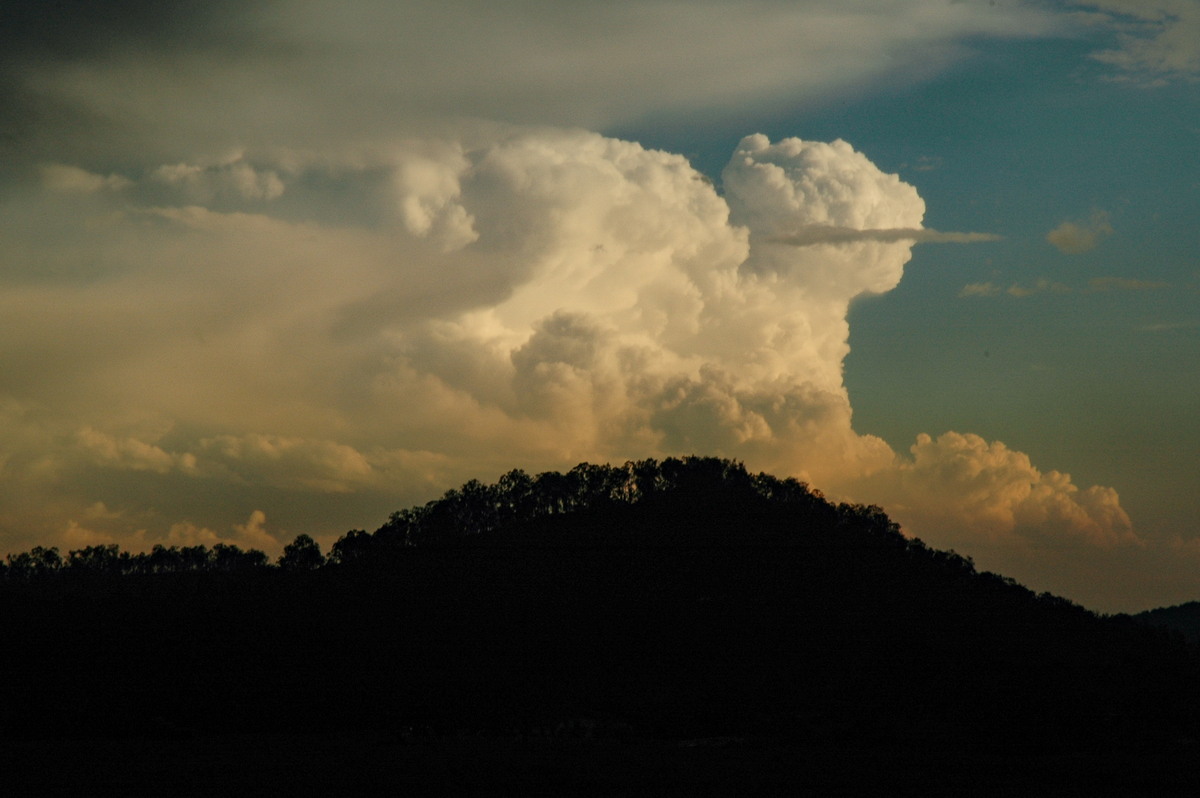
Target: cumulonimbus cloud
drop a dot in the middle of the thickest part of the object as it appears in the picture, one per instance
(532, 298)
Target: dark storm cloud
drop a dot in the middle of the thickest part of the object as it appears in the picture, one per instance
(40, 39)
(96, 85)
(78, 29)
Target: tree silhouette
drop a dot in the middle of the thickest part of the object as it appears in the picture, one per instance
(302, 554)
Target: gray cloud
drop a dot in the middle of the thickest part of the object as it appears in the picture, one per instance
(820, 234)
(1158, 41)
(1042, 285)
(96, 83)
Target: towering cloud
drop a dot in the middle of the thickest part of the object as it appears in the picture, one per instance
(507, 297)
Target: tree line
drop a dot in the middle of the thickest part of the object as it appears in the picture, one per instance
(475, 508)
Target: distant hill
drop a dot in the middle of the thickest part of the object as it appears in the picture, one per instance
(1183, 618)
(687, 600)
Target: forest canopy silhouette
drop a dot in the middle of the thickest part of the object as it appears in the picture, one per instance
(680, 598)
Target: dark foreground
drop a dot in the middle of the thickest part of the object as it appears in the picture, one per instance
(328, 765)
(680, 628)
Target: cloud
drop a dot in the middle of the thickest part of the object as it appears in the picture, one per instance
(961, 486)
(186, 80)
(819, 234)
(251, 534)
(72, 179)
(323, 466)
(1073, 238)
(1158, 41)
(531, 297)
(1042, 285)
(234, 179)
(131, 454)
(979, 289)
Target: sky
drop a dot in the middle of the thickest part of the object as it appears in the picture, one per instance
(272, 268)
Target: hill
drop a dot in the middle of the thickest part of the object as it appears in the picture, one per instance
(1182, 618)
(686, 600)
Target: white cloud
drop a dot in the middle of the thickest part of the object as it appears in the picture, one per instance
(534, 298)
(340, 270)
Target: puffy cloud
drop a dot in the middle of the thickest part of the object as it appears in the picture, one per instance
(1073, 239)
(253, 533)
(249, 535)
(960, 486)
(507, 297)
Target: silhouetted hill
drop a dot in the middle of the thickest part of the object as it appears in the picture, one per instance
(684, 600)
(1182, 618)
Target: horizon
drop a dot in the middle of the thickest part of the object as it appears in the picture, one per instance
(282, 269)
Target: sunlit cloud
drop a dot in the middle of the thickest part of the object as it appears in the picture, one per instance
(966, 486)
(72, 179)
(535, 299)
(1074, 238)
(303, 260)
